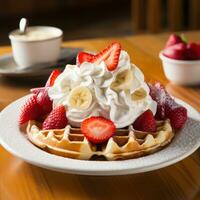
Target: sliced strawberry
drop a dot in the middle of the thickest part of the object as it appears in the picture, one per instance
(109, 55)
(56, 119)
(97, 129)
(31, 110)
(145, 122)
(84, 57)
(54, 74)
(173, 39)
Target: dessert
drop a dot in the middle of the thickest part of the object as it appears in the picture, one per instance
(101, 108)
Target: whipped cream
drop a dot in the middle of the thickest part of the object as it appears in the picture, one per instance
(120, 106)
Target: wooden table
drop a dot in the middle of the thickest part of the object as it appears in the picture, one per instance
(22, 181)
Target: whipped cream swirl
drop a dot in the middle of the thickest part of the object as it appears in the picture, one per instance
(118, 106)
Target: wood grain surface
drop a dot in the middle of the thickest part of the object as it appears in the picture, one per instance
(22, 181)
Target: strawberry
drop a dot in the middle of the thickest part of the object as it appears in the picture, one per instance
(38, 90)
(175, 112)
(56, 119)
(145, 122)
(54, 74)
(177, 51)
(44, 101)
(31, 110)
(84, 57)
(157, 92)
(173, 39)
(98, 129)
(167, 107)
(109, 55)
(193, 51)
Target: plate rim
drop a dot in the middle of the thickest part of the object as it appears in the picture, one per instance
(98, 172)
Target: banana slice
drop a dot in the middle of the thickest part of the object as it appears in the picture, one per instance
(80, 97)
(138, 94)
(123, 81)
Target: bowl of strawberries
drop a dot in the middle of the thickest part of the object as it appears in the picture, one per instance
(181, 60)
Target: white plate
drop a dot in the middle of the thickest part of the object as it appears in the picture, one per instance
(184, 144)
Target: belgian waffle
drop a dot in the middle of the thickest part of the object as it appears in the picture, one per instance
(125, 144)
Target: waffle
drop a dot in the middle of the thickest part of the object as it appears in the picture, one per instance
(125, 144)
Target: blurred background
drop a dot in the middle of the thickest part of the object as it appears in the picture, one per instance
(101, 18)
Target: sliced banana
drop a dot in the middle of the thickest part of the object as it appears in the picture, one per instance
(138, 94)
(123, 81)
(80, 97)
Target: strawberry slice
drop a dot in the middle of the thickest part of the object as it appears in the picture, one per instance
(84, 57)
(173, 39)
(54, 74)
(109, 55)
(56, 119)
(31, 110)
(145, 122)
(98, 129)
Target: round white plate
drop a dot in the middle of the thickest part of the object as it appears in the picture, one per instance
(184, 144)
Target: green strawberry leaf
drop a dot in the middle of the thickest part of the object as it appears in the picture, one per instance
(183, 38)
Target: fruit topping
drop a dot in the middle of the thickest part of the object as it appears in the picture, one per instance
(54, 74)
(167, 108)
(31, 110)
(123, 81)
(84, 57)
(80, 97)
(109, 55)
(44, 101)
(145, 122)
(97, 129)
(56, 119)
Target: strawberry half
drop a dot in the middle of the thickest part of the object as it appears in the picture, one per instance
(109, 55)
(56, 119)
(84, 57)
(31, 110)
(54, 74)
(97, 129)
(145, 122)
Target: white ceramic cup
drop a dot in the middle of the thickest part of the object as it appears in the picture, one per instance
(181, 72)
(42, 47)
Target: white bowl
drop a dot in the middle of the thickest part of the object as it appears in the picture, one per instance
(181, 72)
(43, 48)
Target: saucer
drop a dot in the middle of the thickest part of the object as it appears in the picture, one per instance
(8, 67)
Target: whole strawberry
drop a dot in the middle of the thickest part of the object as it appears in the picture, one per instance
(56, 119)
(173, 39)
(145, 122)
(176, 113)
(31, 110)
